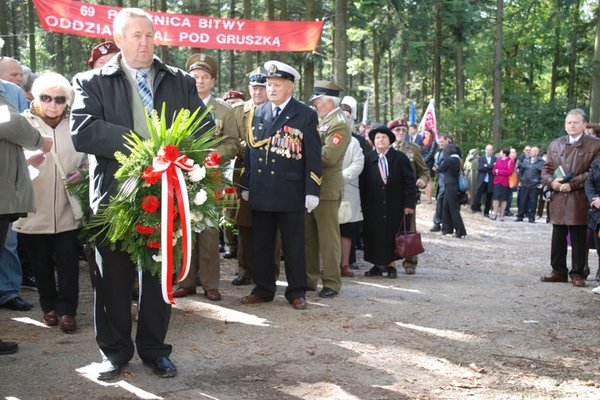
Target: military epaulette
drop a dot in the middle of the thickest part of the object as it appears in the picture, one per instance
(315, 178)
(341, 118)
(238, 104)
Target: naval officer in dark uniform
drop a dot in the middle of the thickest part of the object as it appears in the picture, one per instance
(281, 178)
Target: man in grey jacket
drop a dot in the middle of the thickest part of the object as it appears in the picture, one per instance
(16, 200)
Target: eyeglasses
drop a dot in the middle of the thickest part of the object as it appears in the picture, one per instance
(44, 98)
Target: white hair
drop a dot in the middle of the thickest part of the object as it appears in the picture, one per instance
(336, 100)
(578, 111)
(126, 14)
(52, 80)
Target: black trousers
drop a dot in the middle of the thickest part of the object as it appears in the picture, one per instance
(528, 202)
(482, 190)
(114, 286)
(60, 252)
(439, 202)
(558, 250)
(451, 219)
(4, 223)
(264, 229)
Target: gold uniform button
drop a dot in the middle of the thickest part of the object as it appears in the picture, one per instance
(259, 159)
(259, 170)
(272, 172)
(272, 160)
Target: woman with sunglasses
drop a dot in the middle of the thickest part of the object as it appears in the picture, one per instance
(49, 235)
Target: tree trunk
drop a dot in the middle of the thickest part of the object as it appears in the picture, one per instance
(246, 55)
(164, 50)
(497, 121)
(31, 24)
(437, 56)
(376, 64)
(390, 86)
(340, 54)
(308, 77)
(60, 53)
(460, 73)
(4, 17)
(555, 63)
(595, 98)
(573, 53)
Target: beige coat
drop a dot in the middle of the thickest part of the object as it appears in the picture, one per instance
(53, 212)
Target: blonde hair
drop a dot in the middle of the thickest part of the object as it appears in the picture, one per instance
(52, 80)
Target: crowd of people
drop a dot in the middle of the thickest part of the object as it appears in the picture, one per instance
(313, 186)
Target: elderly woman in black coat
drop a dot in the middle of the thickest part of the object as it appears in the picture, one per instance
(387, 192)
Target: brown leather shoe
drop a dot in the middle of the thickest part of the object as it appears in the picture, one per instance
(184, 291)
(299, 304)
(578, 281)
(51, 318)
(554, 277)
(345, 271)
(212, 294)
(67, 323)
(252, 299)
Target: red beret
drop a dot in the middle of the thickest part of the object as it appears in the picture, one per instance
(398, 123)
(233, 94)
(101, 50)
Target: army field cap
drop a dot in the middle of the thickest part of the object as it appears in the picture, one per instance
(258, 77)
(277, 69)
(325, 88)
(203, 62)
(101, 50)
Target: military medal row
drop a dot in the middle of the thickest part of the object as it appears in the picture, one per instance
(287, 143)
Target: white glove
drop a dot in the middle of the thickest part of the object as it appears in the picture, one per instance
(311, 202)
(245, 195)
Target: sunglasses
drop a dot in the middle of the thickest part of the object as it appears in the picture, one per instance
(44, 98)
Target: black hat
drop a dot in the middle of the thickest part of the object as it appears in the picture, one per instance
(258, 77)
(382, 129)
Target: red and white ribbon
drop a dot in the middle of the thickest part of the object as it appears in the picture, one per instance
(172, 180)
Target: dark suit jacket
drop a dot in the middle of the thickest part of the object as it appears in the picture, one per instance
(485, 168)
(276, 182)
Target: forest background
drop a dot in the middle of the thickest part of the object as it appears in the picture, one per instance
(501, 72)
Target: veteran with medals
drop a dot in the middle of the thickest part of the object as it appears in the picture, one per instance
(322, 233)
(281, 178)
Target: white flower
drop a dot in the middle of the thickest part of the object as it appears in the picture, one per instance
(196, 216)
(200, 197)
(197, 173)
(157, 258)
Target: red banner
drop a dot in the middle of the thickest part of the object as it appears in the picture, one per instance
(95, 20)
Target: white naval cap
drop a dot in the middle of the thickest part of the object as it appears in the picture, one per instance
(277, 69)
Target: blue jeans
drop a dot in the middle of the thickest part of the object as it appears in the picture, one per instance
(10, 268)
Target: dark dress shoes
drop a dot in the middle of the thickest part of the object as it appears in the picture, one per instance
(229, 255)
(578, 281)
(110, 370)
(327, 292)
(252, 299)
(162, 367)
(51, 318)
(67, 323)
(184, 291)
(28, 281)
(212, 294)
(299, 303)
(18, 304)
(392, 273)
(435, 228)
(554, 277)
(375, 271)
(240, 280)
(8, 347)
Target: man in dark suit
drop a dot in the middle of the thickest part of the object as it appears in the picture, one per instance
(485, 182)
(282, 177)
(110, 102)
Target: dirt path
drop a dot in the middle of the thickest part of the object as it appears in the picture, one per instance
(474, 322)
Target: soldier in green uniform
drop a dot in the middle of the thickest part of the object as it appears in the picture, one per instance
(205, 255)
(322, 230)
(413, 152)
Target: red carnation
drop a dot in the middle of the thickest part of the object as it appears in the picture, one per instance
(229, 190)
(150, 204)
(171, 152)
(153, 244)
(150, 176)
(213, 159)
(218, 195)
(144, 230)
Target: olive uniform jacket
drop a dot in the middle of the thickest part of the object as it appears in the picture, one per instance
(243, 216)
(282, 163)
(335, 138)
(413, 152)
(225, 127)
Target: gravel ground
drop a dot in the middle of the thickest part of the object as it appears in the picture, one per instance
(474, 322)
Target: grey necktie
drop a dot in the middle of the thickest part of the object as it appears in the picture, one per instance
(144, 90)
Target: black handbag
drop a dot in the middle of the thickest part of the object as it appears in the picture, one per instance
(407, 244)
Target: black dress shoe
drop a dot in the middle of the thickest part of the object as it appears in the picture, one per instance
(17, 304)
(28, 281)
(375, 271)
(392, 273)
(110, 370)
(162, 367)
(229, 255)
(435, 228)
(327, 292)
(8, 347)
(240, 280)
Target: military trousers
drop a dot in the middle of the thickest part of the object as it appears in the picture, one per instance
(322, 242)
(205, 260)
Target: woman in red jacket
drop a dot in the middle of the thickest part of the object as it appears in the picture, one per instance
(502, 169)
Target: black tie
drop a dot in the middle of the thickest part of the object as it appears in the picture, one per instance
(277, 111)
